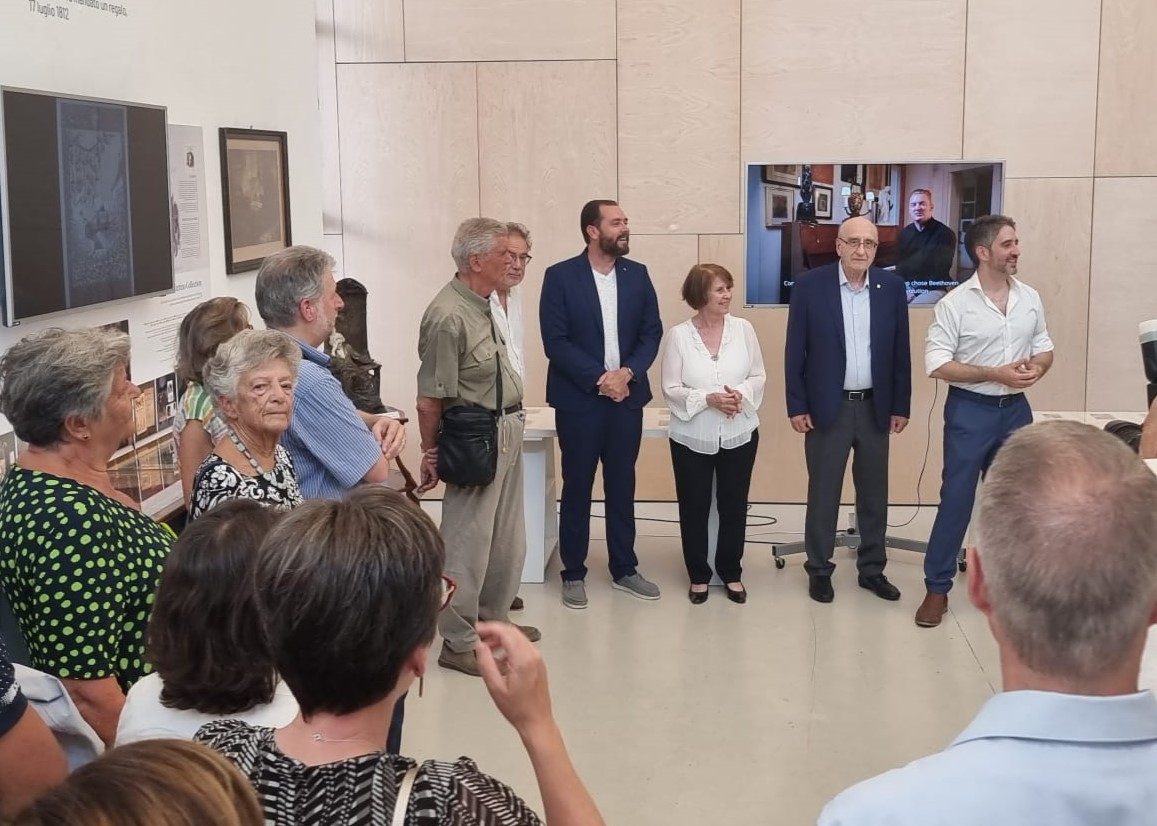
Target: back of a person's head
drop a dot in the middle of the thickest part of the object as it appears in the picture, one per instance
(205, 638)
(151, 783)
(1068, 548)
(347, 591)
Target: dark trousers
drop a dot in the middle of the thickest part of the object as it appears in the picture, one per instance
(609, 433)
(974, 429)
(826, 451)
(730, 470)
(394, 736)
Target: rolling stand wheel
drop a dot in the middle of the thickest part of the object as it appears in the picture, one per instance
(780, 563)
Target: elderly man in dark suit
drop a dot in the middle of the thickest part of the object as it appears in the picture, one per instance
(849, 386)
(599, 319)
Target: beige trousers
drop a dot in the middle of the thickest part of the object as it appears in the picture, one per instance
(485, 537)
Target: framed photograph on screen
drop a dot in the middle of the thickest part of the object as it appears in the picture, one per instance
(786, 174)
(779, 205)
(822, 197)
(255, 196)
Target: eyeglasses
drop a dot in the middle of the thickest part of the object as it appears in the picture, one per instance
(524, 258)
(449, 586)
(868, 244)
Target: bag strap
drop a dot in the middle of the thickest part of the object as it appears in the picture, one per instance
(497, 366)
(403, 802)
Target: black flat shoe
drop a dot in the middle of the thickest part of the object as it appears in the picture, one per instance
(881, 587)
(697, 597)
(739, 596)
(820, 588)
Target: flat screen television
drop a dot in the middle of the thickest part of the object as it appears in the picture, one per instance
(921, 212)
(84, 202)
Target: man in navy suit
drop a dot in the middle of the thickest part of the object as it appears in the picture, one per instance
(849, 386)
(599, 319)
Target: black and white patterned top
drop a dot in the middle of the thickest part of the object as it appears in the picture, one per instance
(362, 791)
(218, 481)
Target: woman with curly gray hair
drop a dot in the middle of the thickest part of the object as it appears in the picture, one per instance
(251, 379)
(80, 561)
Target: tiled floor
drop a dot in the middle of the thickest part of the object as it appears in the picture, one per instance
(721, 713)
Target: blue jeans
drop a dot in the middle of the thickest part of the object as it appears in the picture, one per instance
(974, 429)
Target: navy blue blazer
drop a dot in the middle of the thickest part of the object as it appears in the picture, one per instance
(571, 321)
(815, 358)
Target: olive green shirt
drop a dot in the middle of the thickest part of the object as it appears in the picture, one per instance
(457, 344)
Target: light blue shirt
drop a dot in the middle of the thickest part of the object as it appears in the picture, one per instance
(331, 447)
(857, 333)
(1030, 758)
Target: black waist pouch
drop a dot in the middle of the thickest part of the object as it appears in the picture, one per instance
(468, 446)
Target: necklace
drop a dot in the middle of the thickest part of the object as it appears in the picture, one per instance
(237, 443)
(321, 738)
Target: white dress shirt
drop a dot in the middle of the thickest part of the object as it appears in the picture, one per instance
(969, 329)
(608, 287)
(512, 327)
(857, 306)
(690, 373)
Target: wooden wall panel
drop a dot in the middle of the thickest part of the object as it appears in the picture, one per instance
(679, 114)
(483, 30)
(727, 251)
(1121, 290)
(409, 153)
(1032, 85)
(542, 176)
(1127, 98)
(327, 108)
(368, 31)
(847, 80)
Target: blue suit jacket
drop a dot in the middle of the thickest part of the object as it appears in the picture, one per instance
(815, 358)
(571, 322)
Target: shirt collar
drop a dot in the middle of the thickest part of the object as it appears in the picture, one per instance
(1072, 718)
(311, 353)
(467, 293)
(844, 279)
(973, 283)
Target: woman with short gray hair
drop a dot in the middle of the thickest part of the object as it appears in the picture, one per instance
(251, 378)
(80, 561)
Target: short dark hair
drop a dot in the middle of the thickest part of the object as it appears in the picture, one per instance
(347, 591)
(983, 231)
(699, 281)
(591, 215)
(205, 640)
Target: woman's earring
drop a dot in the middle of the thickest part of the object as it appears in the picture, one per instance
(421, 681)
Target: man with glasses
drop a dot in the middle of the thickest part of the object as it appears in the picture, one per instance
(849, 387)
(990, 343)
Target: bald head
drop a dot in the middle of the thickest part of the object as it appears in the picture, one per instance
(856, 245)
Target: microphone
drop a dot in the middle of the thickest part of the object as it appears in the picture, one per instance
(1147, 334)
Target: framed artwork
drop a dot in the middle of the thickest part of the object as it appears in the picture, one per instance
(852, 173)
(785, 174)
(255, 195)
(779, 205)
(822, 198)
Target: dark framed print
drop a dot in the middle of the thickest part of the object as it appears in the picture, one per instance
(255, 196)
(852, 173)
(786, 174)
(822, 197)
(779, 205)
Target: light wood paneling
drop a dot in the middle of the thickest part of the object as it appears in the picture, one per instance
(727, 251)
(542, 158)
(679, 114)
(327, 107)
(409, 176)
(847, 80)
(483, 30)
(1032, 85)
(1054, 216)
(368, 31)
(1121, 293)
(1127, 99)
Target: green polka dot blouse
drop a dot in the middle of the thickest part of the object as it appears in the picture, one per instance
(80, 570)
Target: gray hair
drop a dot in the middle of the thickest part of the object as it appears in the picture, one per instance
(51, 375)
(515, 228)
(247, 351)
(287, 278)
(475, 236)
(1068, 546)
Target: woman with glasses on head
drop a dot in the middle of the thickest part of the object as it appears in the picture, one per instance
(349, 594)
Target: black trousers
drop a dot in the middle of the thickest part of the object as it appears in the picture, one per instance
(826, 452)
(730, 470)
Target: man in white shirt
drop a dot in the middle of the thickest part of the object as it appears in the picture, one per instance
(1070, 741)
(990, 343)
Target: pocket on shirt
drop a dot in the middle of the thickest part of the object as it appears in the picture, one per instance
(482, 353)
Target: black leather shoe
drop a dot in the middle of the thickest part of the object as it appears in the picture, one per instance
(819, 588)
(697, 597)
(517, 604)
(881, 587)
(739, 596)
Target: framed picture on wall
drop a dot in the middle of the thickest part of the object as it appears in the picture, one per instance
(852, 173)
(779, 205)
(822, 197)
(786, 174)
(255, 196)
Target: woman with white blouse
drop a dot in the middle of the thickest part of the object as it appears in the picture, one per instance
(713, 381)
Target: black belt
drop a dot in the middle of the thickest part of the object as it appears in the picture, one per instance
(858, 395)
(984, 398)
(514, 408)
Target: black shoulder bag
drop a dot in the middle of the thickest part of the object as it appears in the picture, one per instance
(468, 440)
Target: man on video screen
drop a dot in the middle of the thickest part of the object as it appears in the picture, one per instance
(925, 251)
